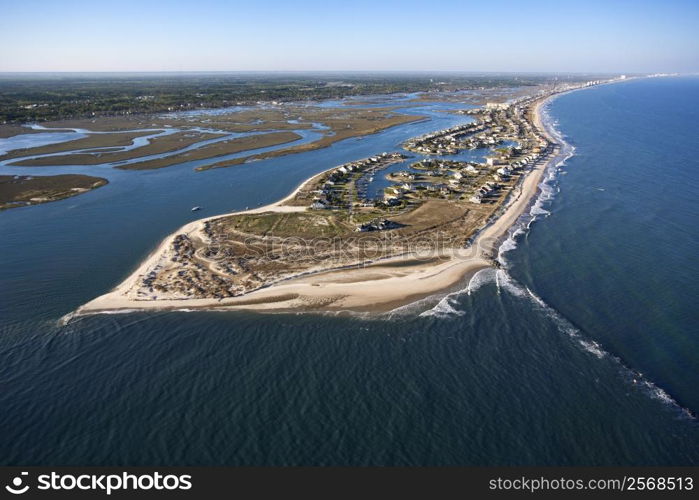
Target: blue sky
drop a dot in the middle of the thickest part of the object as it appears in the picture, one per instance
(430, 35)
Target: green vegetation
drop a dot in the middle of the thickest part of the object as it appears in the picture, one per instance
(301, 225)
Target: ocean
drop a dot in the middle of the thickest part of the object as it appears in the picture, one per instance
(583, 349)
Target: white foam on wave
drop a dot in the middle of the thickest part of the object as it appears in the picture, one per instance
(505, 282)
(510, 242)
(77, 315)
(445, 307)
(482, 277)
(64, 320)
(413, 308)
(658, 393)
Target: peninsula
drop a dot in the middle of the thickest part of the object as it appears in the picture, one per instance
(329, 246)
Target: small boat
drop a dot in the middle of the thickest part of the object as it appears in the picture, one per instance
(194, 209)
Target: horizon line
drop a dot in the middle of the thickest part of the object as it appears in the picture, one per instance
(349, 71)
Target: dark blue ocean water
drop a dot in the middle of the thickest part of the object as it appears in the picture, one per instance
(583, 351)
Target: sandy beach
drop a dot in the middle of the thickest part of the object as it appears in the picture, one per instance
(376, 287)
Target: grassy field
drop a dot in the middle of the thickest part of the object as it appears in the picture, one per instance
(419, 218)
(302, 225)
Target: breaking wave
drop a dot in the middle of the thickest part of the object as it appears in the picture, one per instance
(479, 279)
(446, 307)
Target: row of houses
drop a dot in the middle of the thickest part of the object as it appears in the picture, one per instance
(486, 190)
(451, 140)
(443, 165)
(330, 193)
